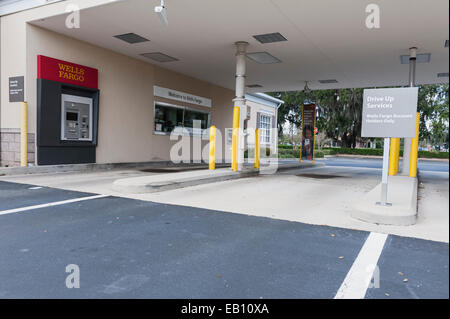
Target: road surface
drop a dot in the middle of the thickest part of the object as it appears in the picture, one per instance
(281, 236)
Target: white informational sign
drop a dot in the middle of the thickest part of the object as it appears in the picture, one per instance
(181, 96)
(389, 112)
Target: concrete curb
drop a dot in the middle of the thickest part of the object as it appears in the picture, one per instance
(379, 157)
(402, 193)
(163, 182)
(353, 156)
(9, 171)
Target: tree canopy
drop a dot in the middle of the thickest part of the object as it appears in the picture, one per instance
(433, 107)
(340, 112)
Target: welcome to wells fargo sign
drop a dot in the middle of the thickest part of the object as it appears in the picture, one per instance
(67, 72)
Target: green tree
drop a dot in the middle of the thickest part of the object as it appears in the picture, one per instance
(339, 112)
(291, 110)
(433, 106)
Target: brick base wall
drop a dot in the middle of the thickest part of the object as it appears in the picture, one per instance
(10, 147)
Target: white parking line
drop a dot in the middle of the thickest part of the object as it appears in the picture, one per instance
(74, 200)
(360, 274)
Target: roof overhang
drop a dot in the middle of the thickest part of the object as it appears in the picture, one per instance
(325, 39)
(264, 99)
(13, 6)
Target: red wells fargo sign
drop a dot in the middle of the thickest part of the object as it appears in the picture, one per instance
(67, 72)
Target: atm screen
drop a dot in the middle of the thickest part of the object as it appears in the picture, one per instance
(71, 116)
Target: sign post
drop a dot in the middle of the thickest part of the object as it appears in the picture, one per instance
(307, 132)
(384, 177)
(389, 113)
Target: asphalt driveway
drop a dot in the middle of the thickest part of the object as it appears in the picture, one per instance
(128, 248)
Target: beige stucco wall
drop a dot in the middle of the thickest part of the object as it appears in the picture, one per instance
(126, 89)
(126, 96)
(13, 54)
(12, 60)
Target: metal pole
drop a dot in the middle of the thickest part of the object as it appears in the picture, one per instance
(384, 179)
(239, 102)
(412, 83)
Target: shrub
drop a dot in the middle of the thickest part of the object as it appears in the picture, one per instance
(318, 154)
(263, 151)
(286, 147)
(285, 153)
(427, 154)
(379, 152)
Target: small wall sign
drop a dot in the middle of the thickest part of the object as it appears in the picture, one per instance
(181, 96)
(16, 89)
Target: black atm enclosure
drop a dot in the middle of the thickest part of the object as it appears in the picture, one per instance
(66, 137)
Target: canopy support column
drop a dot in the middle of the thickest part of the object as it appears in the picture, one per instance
(237, 158)
(412, 83)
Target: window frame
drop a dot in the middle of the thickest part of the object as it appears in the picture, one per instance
(184, 108)
(265, 131)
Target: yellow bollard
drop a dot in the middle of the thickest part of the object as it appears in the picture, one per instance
(414, 150)
(24, 136)
(397, 153)
(393, 155)
(257, 148)
(234, 150)
(392, 158)
(212, 147)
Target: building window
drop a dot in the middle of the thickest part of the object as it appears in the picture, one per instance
(264, 125)
(229, 135)
(191, 116)
(168, 117)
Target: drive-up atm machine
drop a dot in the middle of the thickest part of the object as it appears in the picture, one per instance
(76, 119)
(67, 112)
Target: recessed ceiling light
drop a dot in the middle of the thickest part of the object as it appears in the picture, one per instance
(420, 58)
(328, 81)
(254, 86)
(263, 57)
(159, 57)
(131, 38)
(270, 37)
(442, 75)
(446, 44)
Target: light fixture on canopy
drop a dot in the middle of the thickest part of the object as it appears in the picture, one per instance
(161, 11)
